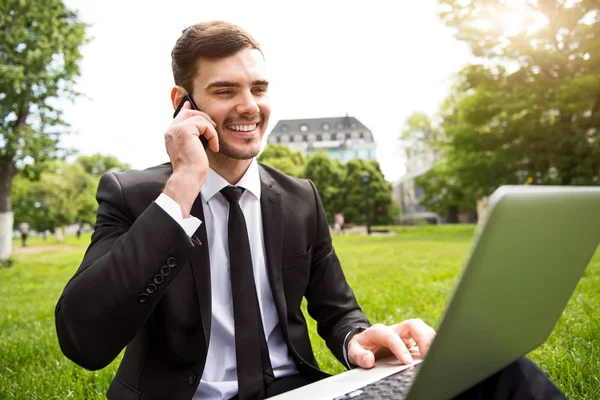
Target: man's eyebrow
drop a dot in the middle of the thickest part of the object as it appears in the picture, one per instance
(222, 84)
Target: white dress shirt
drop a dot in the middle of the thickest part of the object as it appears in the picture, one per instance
(219, 380)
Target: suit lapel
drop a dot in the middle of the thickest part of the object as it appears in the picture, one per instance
(270, 205)
(201, 269)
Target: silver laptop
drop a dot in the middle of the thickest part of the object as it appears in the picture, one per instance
(529, 252)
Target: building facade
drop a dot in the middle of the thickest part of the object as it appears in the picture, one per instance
(343, 138)
(419, 159)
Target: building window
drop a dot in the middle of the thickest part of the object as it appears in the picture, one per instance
(326, 137)
(354, 135)
(340, 136)
(273, 139)
(284, 128)
(325, 126)
(340, 125)
(311, 138)
(353, 125)
(319, 138)
(285, 139)
(303, 128)
(297, 138)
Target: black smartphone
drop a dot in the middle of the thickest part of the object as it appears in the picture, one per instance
(185, 98)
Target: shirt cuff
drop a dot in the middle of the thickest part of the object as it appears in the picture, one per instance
(172, 208)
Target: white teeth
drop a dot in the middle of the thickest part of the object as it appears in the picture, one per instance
(242, 128)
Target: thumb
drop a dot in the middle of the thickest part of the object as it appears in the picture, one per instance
(359, 356)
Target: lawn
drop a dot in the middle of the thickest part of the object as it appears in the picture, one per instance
(394, 277)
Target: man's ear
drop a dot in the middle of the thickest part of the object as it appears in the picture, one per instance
(177, 94)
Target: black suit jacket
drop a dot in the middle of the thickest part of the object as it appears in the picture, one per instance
(145, 285)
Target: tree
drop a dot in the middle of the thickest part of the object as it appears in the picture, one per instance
(444, 192)
(531, 112)
(65, 194)
(39, 56)
(382, 209)
(327, 174)
(285, 160)
(419, 130)
(98, 164)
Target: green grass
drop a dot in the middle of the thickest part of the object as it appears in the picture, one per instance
(394, 277)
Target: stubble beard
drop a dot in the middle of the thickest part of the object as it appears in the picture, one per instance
(248, 150)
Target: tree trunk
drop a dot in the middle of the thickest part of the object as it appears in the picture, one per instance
(7, 172)
(566, 179)
(452, 215)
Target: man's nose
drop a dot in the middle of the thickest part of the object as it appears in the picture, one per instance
(248, 104)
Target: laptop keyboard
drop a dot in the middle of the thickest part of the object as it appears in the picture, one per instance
(392, 387)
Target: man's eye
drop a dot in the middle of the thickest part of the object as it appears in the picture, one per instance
(225, 92)
(259, 90)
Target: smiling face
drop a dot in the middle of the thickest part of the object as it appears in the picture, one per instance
(233, 92)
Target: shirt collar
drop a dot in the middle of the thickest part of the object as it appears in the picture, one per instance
(215, 182)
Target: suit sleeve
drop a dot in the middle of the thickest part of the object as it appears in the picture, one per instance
(331, 301)
(124, 272)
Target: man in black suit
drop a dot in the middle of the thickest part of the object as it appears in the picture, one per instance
(161, 275)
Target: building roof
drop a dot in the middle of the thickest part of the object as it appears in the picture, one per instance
(317, 125)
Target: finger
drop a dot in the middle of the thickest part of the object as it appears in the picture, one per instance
(409, 342)
(194, 127)
(388, 338)
(187, 112)
(415, 352)
(213, 139)
(181, 114)
(357, 355)
(417, 330)
(209, 132)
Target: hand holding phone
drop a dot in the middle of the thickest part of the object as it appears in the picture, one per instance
(188, 159)
(185, 98)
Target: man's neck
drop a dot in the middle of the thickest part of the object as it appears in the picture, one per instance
(230, 169)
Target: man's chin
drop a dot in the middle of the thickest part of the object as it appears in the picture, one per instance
(240, 153)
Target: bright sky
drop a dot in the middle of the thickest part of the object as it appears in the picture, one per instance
(377, 61)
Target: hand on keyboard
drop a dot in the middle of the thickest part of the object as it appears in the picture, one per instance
(381, 340)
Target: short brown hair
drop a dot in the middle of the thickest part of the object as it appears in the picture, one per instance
(215, 39)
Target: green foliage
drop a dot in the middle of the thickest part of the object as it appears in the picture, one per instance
(419, 130)
(327, 173)
(39, 56)
(64, 195)
(98, 164)
(382, 209)
(531, 112)
(339, 185)
(283, 159)
(444, 194)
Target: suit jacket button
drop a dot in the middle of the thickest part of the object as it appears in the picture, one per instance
(142, 298)
(172, 262)
(158, 279)
(151, 288)
(192, 379)
(165, 271)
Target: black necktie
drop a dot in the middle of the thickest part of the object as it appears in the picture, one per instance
(254, 369)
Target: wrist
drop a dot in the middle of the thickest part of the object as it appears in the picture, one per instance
(183, 188)
(347, 340)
